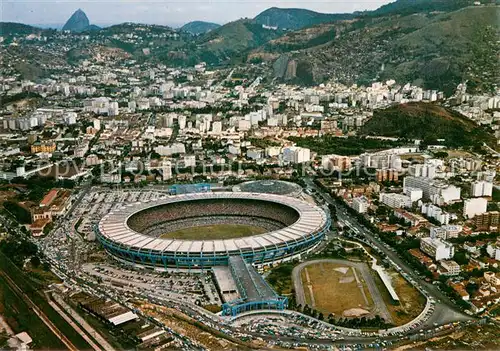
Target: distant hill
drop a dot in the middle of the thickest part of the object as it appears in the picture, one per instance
(293, 19)
(427, 122)
(436, 51)
(199, 27)
(408, 7)
(12, 28)
(79, 22)
(231, 42)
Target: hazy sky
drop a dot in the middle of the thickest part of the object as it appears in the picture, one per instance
(167, 12)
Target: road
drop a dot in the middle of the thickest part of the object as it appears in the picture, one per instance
(445, 311)
(378, 302)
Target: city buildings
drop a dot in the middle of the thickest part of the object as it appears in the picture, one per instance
(437, 191)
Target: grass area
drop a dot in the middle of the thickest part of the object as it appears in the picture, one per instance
(215, 232)
(36, 295)
(333, 290)
(411, 303)
(21, 318)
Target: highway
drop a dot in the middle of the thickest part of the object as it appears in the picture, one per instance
(445, 311)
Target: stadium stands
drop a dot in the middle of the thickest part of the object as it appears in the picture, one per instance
(121, 232)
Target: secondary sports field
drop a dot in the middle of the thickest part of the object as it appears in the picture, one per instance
(336, 288)
(214, 232)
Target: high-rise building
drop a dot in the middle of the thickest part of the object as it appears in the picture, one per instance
(475, 206)
(488, 221)
(335, 163)
(481, 188)
(437, 191)
(437, 248)
(395, 200)
(360, 204)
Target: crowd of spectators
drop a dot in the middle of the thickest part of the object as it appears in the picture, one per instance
(172, 226)
(211, 211)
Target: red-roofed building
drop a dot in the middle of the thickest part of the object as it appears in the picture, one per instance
(49, 198)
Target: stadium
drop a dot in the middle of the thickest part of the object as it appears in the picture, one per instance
(203, 230)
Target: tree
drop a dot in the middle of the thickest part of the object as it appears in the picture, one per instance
(35, 261)
(461, 258)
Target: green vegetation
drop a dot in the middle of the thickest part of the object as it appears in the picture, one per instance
(280, 278)
(9, 99)
(21, 214)
(297, 18)
(36, 295)
(428, 122)
(343, 146)
(20, 317)
(199, 27)
(38, 186)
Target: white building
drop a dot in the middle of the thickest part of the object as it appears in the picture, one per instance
(360, 204)
(69, 118)
(475, 206)
(415, 194)
(166, 169)
(449, 267)
(255, 153)
(446, 232)
(395, 200)
(437, 191)
(435, 212)
(423, 170)
(217, 127)
(96, 123)
(273, 151)
(114, 110)
(244, 125)
(481, 188)
(493, 250)
(189, 161)
(182, 122)
(296, 154)
(437, 248)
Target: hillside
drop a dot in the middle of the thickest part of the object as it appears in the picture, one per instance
(427, 122)
(293, 19)
(231, 42)
(199, 27)
(437, 51)
(13, 28)
(408, 7)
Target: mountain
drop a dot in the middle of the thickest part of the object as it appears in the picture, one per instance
(408, 7)
(428, 122)
(78, 22)
(293, 19)
(433, 50)
(199, 27)
(12, 28)
(229, 43)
